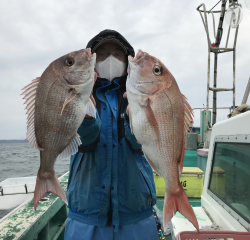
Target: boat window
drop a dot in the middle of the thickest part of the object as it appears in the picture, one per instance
(230, 176)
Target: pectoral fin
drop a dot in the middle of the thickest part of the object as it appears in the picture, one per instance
(146, 105)
(72, 93)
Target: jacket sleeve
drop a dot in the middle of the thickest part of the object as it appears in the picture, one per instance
(128, 135)
(89, 129)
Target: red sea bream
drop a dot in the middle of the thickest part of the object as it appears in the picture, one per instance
(159, 118)
(56, 105)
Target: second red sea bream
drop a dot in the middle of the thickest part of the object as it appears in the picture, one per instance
(159, 118)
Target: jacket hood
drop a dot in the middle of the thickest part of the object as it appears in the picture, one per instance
(110, 36)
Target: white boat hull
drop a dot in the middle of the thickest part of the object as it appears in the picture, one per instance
(12, 201)
(15, 191)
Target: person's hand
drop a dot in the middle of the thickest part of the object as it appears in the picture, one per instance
(92, 98)
(125, 96)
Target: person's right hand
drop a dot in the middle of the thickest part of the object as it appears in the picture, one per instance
(91, 98)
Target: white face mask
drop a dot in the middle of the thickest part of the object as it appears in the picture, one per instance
(110, 68)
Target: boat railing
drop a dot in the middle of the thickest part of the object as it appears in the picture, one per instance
(45, 223)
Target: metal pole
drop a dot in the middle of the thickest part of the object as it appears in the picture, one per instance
(209, 49)
(217, 44)
(220, 29)
(214, 6)
(208, 79)
(234, 56)
(212, 108)
(221, 89)
(228, 33)
(214, 92)
(244, 100)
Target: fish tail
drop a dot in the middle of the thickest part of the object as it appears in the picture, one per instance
(44, 185)
(178, 201)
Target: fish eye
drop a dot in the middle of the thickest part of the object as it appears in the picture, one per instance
(69, 62)
(157, 70)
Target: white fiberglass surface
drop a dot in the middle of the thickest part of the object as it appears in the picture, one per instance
(18, 181)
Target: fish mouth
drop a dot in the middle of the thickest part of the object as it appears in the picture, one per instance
(139, 58)
(134, 63)
(87, 54)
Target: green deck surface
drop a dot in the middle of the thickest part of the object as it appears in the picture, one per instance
(44, 223)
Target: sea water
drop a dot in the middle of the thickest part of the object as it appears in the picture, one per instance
(22, 160)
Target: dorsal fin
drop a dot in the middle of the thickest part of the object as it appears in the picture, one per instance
(188, 119)
(30, 96)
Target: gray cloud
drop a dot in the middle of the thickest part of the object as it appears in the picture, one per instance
(35, 33)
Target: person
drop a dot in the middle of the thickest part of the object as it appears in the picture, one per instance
(111, 190)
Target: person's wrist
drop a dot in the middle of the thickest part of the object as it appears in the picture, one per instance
(88, 117)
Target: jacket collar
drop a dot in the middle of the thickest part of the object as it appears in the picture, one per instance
(121, 80)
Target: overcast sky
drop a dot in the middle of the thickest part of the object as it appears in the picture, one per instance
(35, 33)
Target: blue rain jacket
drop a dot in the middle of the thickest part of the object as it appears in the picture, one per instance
(145, 229)
(112, 175)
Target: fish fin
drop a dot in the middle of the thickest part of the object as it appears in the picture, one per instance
(90, 109)
(30, 96)
(147, 106)
(47, 185)
(188, 119)
(71, 149)
(72, 93)
(178, 201)
(151, 163)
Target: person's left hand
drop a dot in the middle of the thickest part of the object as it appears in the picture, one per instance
(125, 96)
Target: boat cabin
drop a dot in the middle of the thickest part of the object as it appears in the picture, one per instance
(225, 200)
